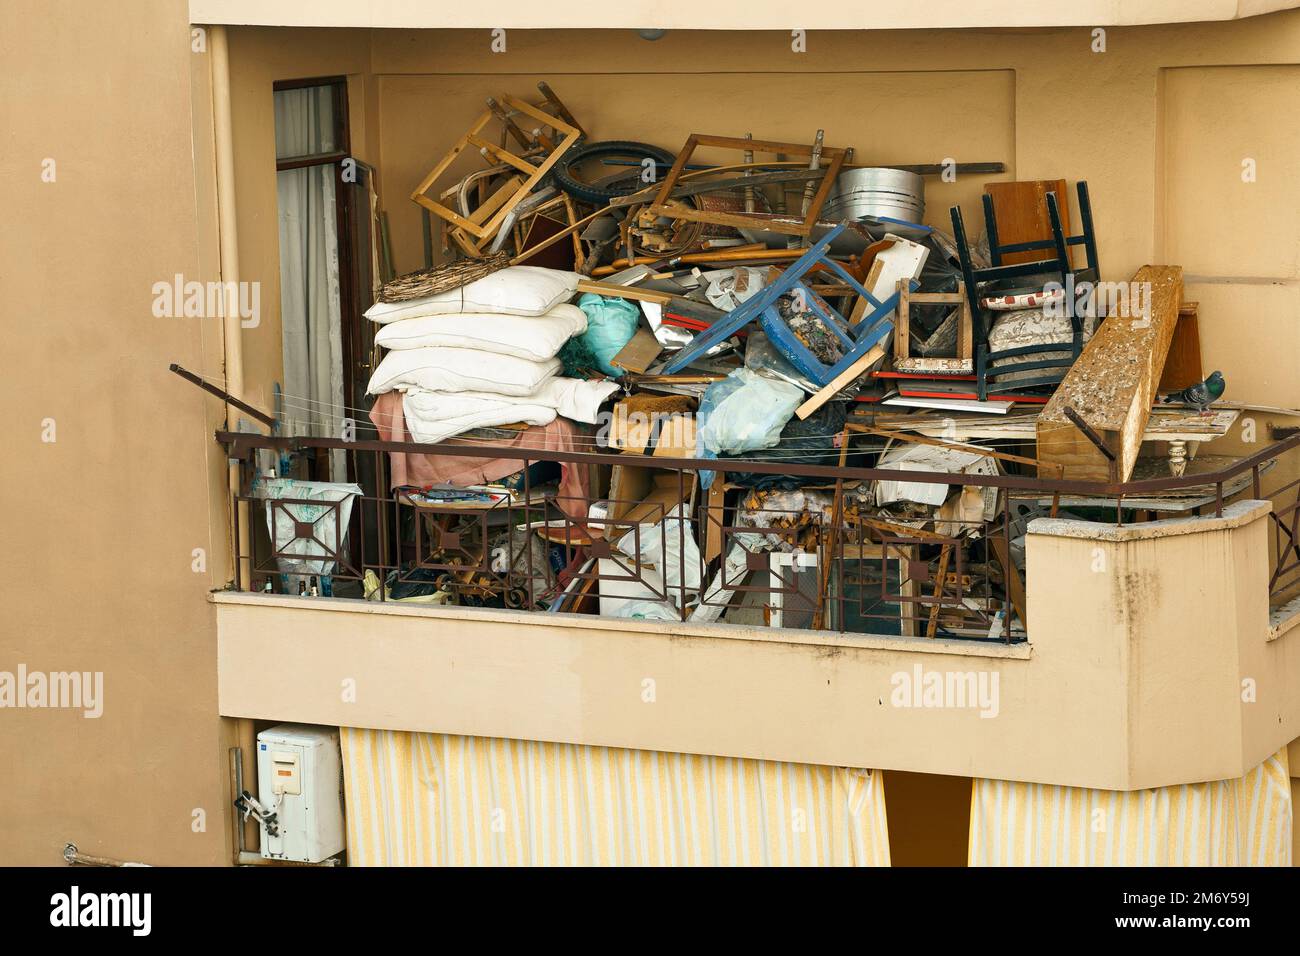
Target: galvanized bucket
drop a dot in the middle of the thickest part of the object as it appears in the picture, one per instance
(877, 192)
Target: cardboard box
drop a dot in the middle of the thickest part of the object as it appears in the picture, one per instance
(658, 426)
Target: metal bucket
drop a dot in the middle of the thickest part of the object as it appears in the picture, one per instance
(878, 192)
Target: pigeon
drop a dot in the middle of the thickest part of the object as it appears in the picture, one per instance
(1202, 394)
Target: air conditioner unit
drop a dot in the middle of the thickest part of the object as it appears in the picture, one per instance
(299, 779)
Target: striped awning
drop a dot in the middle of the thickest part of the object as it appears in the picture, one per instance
(1239, 822)
(416, 799)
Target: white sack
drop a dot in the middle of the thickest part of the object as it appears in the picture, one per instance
(517, 290)
(535, 337)
(460, 370)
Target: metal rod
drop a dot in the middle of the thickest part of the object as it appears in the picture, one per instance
(1088, 432)
(263, 417)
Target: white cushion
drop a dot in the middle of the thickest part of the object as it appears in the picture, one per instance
(536, 337)
(515, 290)
(460, 370)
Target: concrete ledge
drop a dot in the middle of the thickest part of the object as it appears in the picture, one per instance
(1284, 619)
(728, 632)
(1234, 516)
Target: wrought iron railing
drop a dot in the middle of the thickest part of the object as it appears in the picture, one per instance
(812, 550)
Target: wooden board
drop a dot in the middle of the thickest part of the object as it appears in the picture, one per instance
(841, 382)
(1021, 210)
(641, 350)
(1183, 366)
(1113, 383)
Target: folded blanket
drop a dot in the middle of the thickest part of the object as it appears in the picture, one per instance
(436, 416)
(460, 470)
(536, 337)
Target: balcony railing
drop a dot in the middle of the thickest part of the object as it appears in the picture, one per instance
(771, 543)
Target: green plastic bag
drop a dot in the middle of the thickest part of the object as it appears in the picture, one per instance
(611, 323)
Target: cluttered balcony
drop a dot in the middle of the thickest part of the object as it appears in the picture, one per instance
(763, 408)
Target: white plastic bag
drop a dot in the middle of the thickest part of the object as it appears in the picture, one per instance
(670, 546)
(291, 504)
(745, 412)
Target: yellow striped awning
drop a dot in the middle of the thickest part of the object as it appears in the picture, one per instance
(416, 799)
(1239, 822)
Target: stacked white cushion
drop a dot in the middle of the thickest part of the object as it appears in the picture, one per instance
(536, 337)
(515, 290)
(460, 370)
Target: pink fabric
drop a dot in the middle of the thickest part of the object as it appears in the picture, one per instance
(458, 470)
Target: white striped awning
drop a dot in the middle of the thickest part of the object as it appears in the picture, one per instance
(417, 799)
(1240, 822)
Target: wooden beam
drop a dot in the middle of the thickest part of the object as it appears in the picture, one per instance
(624, 292)
(1113, 383)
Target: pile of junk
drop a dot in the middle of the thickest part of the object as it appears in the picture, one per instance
(738, 321)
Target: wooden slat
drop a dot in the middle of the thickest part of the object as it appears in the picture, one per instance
(1113, 384)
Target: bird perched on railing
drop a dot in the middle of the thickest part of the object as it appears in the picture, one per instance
(1202, 394)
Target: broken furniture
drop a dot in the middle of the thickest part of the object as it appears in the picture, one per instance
(855, 340)
(990, 365)
(800, 225)
(1094, 424)
(474, 232)
(963, 363)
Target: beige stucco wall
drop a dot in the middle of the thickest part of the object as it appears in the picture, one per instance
(100, 525)
(725, 14)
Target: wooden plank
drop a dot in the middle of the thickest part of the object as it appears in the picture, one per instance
(641, 350)
(1015, 584)
(1021, 210)
(841, 381)
(1113, 383)
(1183, 366)
(624, 292)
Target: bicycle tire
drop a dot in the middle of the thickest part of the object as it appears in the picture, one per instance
(598, 195)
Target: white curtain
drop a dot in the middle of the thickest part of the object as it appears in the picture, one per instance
(310, 316)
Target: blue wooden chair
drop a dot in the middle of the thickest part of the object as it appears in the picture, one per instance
(855, 339)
